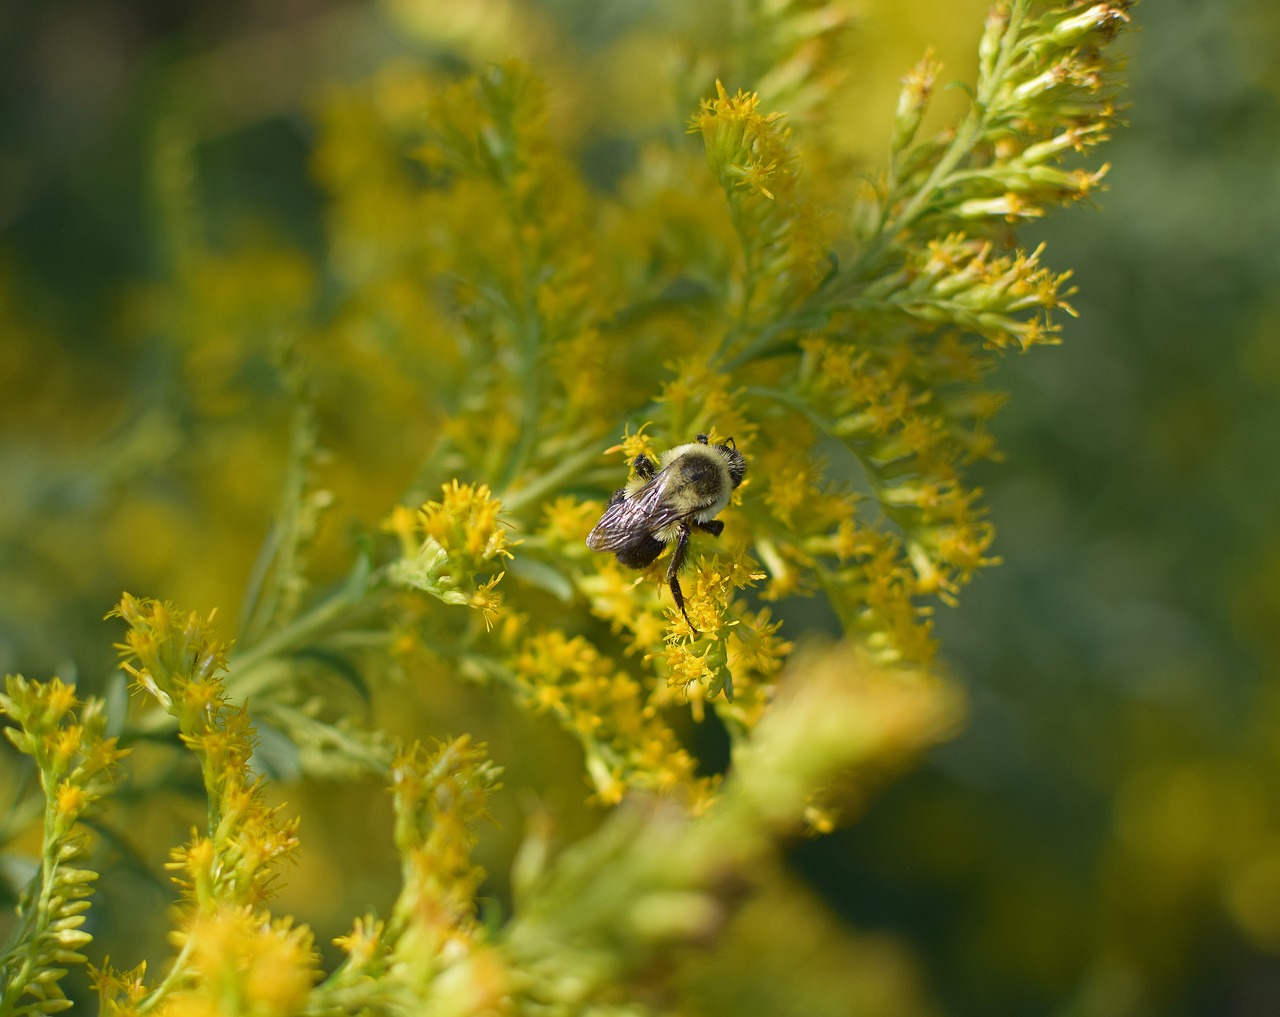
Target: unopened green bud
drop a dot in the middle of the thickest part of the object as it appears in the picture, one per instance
(1105, 16)
(913, 100)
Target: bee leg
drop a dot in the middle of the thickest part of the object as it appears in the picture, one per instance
(645, 468)
(712, 526)
(677, 563)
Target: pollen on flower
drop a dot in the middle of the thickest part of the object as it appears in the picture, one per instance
(738, 569)
(464, 543)
(487, 601)
(466, 520)
(755, 645)
(63, 745)
(633, 444)
(362, 942)
(199, 696)
(685, 668)
(790, 488)
(126, 986)
(626, 742)
(71, 801)
(283, 968)
(163, 649)
(616, 595)
(267, 966)
(568, 520)
(60, 699)
(194, 862)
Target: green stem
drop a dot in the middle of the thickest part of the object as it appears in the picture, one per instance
(42, 911)
(299, 630)
(548, 481)
(280, 559)
(177, 974)
(968, 133)
(890, 227)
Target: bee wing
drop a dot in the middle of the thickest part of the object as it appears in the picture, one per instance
(628, 521)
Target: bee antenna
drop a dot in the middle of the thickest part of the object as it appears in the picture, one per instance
(702, 438)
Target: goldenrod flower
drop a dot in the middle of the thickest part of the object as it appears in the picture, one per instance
(517, 318)
(461, 541)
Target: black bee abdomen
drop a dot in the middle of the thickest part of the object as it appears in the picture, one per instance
(641, 554)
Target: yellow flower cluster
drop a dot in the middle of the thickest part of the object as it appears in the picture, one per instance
(240, 963)
(743, 145)
(179, 658)
(501, 317)
(752, 155)
(233, 956)
(627, 743)
(440, 797)
(858, 401)
(431, 954)
(173, 657)
(1043, 90)
(74, 760)
(449, 544)
(696, 397)
(633, 445)
(956, 280)
(465, 521)
(226, 873)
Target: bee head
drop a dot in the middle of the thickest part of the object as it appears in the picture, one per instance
(737, 463)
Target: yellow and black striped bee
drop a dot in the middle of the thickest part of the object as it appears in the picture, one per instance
(665, 502)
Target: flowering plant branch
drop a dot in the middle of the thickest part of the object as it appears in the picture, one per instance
(556, 337)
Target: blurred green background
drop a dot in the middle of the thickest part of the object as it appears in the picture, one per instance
(1104, 837)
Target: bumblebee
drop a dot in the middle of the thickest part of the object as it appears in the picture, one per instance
(665, 502)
